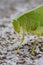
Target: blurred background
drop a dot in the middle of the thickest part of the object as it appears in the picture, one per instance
(12, 8)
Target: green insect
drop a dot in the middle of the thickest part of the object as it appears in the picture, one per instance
(32, 22)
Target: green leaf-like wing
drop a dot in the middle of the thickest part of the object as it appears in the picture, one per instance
(31, 21)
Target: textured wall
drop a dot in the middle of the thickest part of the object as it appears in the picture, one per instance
(8, 7)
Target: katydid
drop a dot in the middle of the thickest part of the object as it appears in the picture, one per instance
(31, 21)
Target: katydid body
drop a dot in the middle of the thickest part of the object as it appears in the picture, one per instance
(31, 21)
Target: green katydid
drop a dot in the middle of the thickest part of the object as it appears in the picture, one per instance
(31, 21)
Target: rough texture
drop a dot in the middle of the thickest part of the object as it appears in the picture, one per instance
(10, 9)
